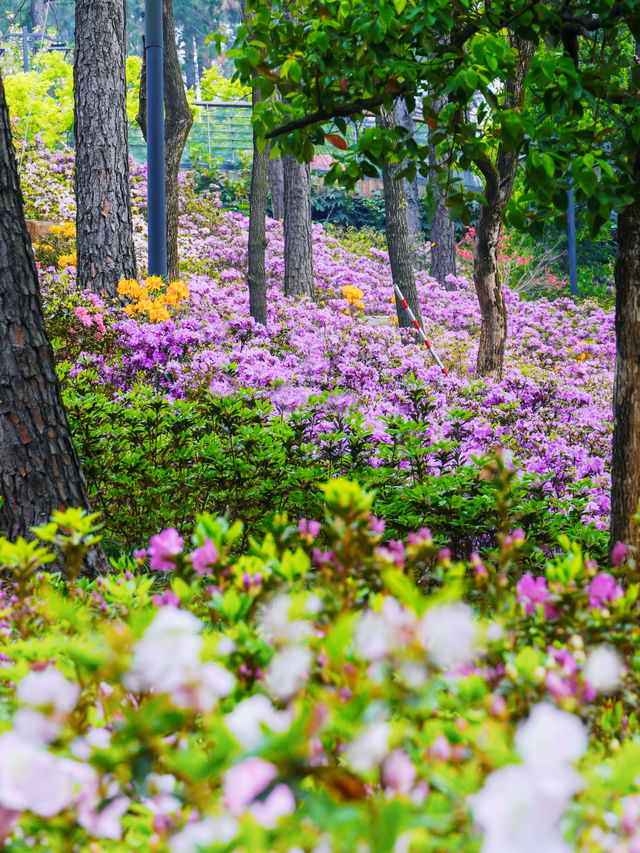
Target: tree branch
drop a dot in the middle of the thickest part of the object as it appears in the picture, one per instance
(359, 106)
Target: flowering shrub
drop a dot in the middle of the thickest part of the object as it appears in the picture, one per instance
(167, 295)
(57, 248)
(293, 698)
(525, 272)
(552, 410)
(353, 295)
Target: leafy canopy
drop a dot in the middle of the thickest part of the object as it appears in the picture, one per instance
(334, 60)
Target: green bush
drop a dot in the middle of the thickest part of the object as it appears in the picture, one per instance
(151, 463)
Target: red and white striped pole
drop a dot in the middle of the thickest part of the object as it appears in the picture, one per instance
(405, 305)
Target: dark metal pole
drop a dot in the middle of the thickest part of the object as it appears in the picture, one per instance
(571, 235)
(156, 204)
(25, 50)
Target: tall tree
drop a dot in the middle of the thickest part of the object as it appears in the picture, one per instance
(298, 240)
(276, 187)
(625, 467)
(37, 13)
(411, 193)
(104, 226)
(178, 120)
(442, 230)
(257, 240)
(39, 467)
(257, 273)
(398, 240)
(499, 179)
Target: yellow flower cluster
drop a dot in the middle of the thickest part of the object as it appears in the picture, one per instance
(353, 295)
(67, 229)
(143, 303)
(67, 261)
(582, 356)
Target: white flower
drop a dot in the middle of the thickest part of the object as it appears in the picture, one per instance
(203, 687)
(371, 637)
(169, 649)
(313, 604)
(226, 646)
(550, 737)
(48, 688)
(33, 779)
(519, 808)
(247, 718)
(276, 626)
(448, 633)
(204, 833)
(370, 748)
(288, 671)
(603, 670)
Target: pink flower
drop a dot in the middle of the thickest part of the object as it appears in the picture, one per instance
(204, 558)
(280, 802)
(106, 822)
(399, 772)
(619, 553)
(83, 315)
(532, 592)
(164, 548)
(167, 599)
(309, 528)
(243, 782)
(441, 748)
(559, 688)
(422, 537)
(602, 591)
(8, 822)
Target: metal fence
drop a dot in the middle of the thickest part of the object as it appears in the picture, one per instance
(221, 133)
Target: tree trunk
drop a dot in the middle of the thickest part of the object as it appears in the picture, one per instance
(298, 241)
(257, 276)
(442, 230)
(39, 467)
(190, 62)
(493, 331)
(397, 231)
(276, 180)
(625, 462)
(37, 13)
(276, 187)
(411, 194)
(104, 227)
(499, 180)
(178, 121)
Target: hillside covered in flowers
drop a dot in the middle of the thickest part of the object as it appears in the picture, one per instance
(353, 604)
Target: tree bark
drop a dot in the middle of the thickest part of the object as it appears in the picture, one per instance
(276, 187)
(104, 237)
(37, 13)
(625, 461)
(257, 275)
(298, 241)
(493, 331)
(499, 180)
(39, 467)
(178, 121)
(397, 231)
(442, 230)
(411, 194)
